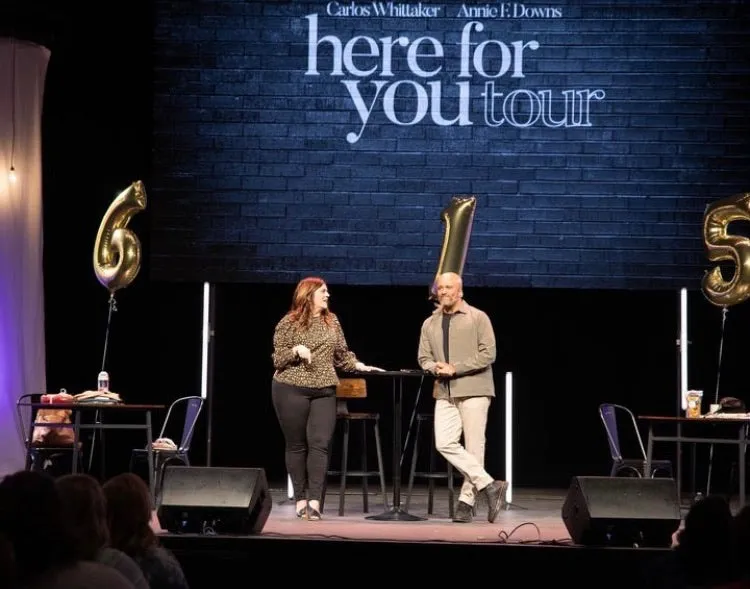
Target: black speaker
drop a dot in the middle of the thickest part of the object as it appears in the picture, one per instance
(621, 511)
(214, 500)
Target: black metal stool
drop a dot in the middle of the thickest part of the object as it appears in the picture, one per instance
(354, 388)
(431, 474)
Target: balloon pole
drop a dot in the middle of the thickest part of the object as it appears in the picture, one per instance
(112, 309)
(97, 417)
(716, 396)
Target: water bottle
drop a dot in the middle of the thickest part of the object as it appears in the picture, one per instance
(103, 382)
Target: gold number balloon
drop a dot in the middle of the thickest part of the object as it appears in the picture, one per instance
(117, 252)
(457, 218)
(722, 245)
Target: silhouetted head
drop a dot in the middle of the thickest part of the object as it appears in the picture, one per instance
(85, 510)
(32, 522)
(129, 513)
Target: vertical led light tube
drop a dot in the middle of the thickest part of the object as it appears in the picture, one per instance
(205, 337)
(207, 361)
(509, 434)
(683, 349)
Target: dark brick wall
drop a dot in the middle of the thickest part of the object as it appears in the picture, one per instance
(254, 179)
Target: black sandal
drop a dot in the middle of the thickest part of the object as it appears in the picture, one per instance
(302, 512)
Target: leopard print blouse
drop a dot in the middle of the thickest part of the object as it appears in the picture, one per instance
(328, 348)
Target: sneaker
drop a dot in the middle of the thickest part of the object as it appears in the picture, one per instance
(464, 513)
(495, 493)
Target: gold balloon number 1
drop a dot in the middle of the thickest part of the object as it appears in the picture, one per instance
(724, 246)
(457, 218)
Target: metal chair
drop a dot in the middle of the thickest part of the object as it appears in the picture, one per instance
(41, 455)
(613, 415)
(190, 407)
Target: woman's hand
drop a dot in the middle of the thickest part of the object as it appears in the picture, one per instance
(303, 353)
(361, 367)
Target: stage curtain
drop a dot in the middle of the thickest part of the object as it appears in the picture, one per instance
(23, 68)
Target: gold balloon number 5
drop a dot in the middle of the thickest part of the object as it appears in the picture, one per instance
(117, 252)
(724, 246)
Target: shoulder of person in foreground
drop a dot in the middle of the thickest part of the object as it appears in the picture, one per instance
(81, 575)
(162, 569)
(121, 562)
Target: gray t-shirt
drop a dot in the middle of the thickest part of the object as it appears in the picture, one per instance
(81, 575)
(121, 562)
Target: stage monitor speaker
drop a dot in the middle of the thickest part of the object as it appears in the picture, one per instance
(214, 500)
(621, 511)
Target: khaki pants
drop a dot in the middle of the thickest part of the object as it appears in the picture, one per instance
(467, 416)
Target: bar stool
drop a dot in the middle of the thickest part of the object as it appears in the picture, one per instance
(356, 388)
(431, 474)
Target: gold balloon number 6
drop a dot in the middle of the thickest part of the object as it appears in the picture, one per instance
(457, 218)
(117, 252)
(724, 246)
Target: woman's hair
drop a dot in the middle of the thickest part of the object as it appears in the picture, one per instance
(741, 538)
(704, 547)
(7, 561)
(129, 513)
(31, 521)
(302, 302)
(85, 510)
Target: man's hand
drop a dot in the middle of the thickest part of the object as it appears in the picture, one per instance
(445, 369)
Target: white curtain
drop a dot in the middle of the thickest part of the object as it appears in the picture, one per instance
(23, 68)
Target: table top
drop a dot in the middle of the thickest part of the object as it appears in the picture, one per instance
(115, 406)
(404, 372)
(713, 419)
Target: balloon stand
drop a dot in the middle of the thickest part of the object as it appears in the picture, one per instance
(112, 309)
(97, 417)
(716, 394)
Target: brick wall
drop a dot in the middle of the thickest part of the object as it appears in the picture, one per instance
(264, 172)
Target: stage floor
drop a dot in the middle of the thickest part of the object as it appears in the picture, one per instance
(534, 516)
(528, 540)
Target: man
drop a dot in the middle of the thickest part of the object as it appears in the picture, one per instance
(457, 345)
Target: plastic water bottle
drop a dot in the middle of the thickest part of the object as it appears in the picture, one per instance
(102, 382)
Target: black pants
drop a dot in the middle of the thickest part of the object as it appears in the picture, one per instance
(308, 419)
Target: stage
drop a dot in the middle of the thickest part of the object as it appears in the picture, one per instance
(529, 540)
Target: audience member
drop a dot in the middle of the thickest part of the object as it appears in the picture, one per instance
(129, 509)
(702, 554)
(741, 544)
(7, 566)
(43, 553)
(85, 510)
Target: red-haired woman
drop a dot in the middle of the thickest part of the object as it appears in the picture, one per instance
(308, 347)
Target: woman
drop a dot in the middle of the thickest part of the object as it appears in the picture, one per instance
(308, 347)
(38, 543)
(128, 502)
(85, 510)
